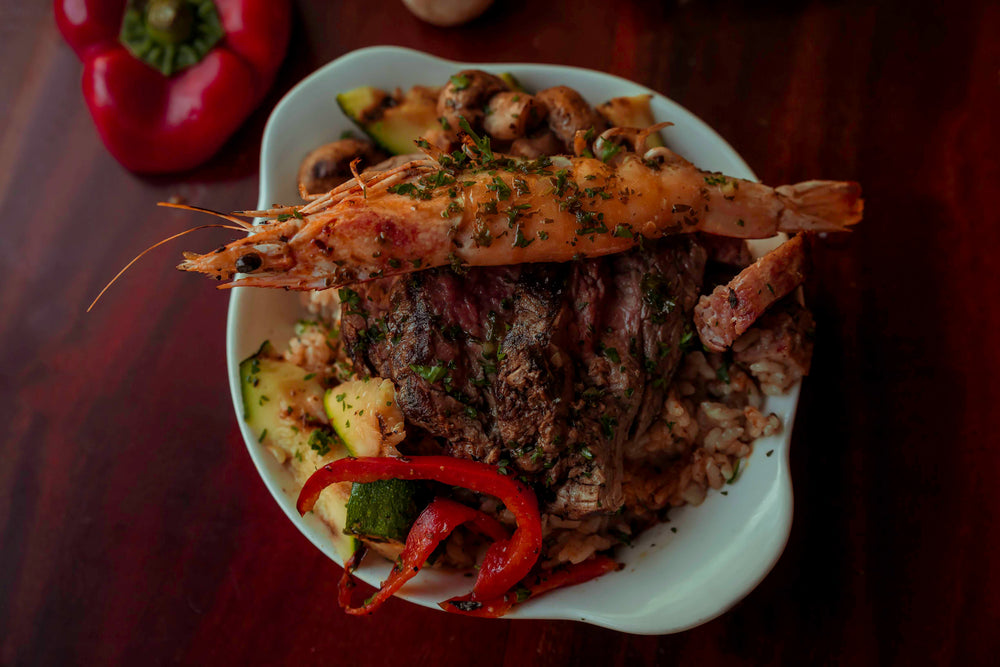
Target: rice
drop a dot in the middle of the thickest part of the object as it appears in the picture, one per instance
(710, 418)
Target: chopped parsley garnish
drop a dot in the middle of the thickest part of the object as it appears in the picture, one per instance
(608, 424)
(716, 179)
(736, 473)
(687, 340)
(519, 239)
(559, 182)
(502, 189)
(351, 299)
(722, 372)
(320, 441)
(429, 373)
(451, 209)
(656, 294)
(482, 144)
(608, 150)
(459, 82)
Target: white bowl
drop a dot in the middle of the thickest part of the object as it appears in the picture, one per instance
(677, 574)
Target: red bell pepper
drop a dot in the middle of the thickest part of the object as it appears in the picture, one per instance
(506, 561)
(543, 582)
(168, 81)
(434, 524)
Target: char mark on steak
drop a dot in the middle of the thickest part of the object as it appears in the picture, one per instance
(544, 369)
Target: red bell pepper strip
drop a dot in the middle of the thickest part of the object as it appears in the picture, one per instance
(543, 583)
(506, 561)
(434, 524)
(156, 123)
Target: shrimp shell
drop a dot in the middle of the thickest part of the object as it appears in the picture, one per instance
(447, 210)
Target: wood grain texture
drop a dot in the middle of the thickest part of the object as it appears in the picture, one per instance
(134, 528)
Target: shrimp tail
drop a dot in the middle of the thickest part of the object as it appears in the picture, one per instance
(820, 206)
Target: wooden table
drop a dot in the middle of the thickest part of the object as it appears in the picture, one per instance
(134, 528)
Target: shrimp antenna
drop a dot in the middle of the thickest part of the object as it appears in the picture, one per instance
(186, 207)
(354, 170)
(156, 245)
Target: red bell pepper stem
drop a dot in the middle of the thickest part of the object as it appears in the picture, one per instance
(507, 561)
(543, 583)
(434, 524)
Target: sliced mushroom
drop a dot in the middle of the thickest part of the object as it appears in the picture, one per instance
(466, 95)
(569, 113)
(537, 144)
(509, 115)
(330, 165)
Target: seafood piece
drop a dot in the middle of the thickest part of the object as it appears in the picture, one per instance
(729, 310)
(480, 209)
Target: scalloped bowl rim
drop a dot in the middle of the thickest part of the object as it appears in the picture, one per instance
(677, 574)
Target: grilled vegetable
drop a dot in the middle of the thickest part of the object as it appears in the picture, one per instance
(392, 123)
(277, 399)
(384, 510)
(365, 416)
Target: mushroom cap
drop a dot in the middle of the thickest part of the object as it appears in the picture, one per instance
(447, 13)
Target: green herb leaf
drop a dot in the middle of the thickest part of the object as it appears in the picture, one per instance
(320, 441)
(429, 373)
(736, 473)
(608, 150)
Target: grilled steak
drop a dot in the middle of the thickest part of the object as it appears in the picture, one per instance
(543, 369)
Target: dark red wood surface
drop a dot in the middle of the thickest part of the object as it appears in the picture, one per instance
(135, 530)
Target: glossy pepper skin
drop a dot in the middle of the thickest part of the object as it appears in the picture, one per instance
(152, 123)
(435, 523)
(507, 561)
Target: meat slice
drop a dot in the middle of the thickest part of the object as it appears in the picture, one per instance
(778, 347)
(544, 369)
(729, 310)
(632, 310)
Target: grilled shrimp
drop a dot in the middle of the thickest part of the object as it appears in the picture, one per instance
(476, 208)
